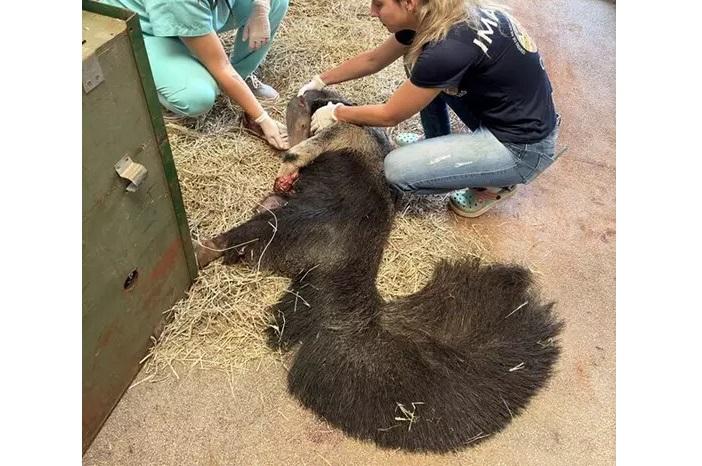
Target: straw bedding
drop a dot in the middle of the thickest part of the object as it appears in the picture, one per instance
(224, 171)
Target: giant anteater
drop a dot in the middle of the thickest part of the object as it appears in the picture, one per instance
(437, 370)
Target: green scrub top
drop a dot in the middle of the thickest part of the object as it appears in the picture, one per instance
(181, 18)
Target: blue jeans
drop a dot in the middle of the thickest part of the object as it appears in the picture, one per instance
(446, 162)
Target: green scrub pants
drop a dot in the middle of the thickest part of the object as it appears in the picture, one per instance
(183, 84)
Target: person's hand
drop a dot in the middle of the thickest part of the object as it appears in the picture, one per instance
(315, 84)
(258, 28)
(275, 133)
(324, 117)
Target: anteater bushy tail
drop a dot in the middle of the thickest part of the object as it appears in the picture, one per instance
(434, 371)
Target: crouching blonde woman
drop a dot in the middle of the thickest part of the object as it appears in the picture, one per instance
(479, 61)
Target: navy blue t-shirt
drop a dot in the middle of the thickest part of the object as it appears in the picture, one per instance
(497, 71)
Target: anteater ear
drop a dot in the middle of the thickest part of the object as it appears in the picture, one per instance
(302, 100)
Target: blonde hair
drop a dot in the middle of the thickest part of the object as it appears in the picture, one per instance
(437, 17)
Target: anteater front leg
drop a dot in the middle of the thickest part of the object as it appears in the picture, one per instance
(336, 137)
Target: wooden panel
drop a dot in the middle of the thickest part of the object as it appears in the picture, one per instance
(122, 231)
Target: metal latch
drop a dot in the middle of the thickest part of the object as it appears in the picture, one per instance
(131, 171)
(92, 73)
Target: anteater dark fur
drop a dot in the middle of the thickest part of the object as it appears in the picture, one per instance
(435, 371)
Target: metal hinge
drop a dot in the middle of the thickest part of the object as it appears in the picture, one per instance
(92, 73)
(134, 173)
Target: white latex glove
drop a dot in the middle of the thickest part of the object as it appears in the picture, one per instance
(324, 117)
(276, 133)
(258, 29)
(316, 84)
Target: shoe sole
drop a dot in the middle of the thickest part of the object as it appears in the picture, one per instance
(458, 211)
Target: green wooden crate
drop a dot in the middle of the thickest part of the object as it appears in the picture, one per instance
(137, 254)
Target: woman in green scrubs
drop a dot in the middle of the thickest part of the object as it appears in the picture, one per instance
(189, 64)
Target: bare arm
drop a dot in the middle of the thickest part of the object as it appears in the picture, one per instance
(366, 63)
(210, 52)
(407, 100)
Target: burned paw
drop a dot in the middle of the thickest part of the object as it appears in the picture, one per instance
(284, 183)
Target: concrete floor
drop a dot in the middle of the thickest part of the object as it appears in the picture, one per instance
(563, 224)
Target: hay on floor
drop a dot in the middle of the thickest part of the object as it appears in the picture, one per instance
(224, 171)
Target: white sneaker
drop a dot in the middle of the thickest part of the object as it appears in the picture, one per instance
(260, 90)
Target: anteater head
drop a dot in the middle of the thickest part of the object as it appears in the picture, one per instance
(300, 109)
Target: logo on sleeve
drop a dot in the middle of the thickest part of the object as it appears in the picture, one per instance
(521, 38)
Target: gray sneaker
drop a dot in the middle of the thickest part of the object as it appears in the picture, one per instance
(260, 90)
(172, 117)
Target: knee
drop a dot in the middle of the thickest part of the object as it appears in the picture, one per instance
(192, 101)
(395, 172)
